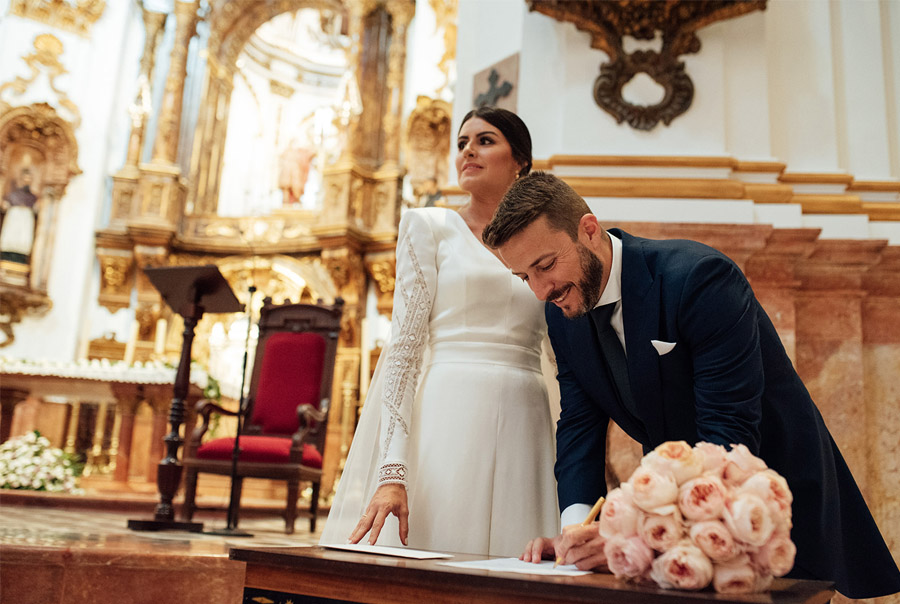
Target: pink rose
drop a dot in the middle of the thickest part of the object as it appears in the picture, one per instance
(747, 517)
(712, 457)
(735, 577)
(683, 566)
(661, 532)
(619, 516)
(776, 557)
(652, 491)
(740, 464)
(715, 540)
(627, 556)
(676, 458)
(772, 488)
(702, 498)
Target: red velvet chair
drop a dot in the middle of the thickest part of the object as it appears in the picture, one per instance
(283, 434)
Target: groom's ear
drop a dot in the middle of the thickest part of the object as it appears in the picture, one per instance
(590, 230)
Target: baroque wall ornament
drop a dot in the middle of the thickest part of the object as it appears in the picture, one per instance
(72, 15)
(45, 59)
(676, 20)
(38, 157)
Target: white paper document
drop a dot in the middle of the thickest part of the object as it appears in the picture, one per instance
(399, 552)
(514, 565)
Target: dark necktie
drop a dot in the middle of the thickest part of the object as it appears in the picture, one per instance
(613, 355)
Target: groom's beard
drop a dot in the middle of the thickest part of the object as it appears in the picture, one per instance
(590, 285)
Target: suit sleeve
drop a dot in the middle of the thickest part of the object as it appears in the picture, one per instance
(719, 319)
(580, 432)
(414, 292)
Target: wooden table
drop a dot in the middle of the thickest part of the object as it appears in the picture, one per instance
(324, 575)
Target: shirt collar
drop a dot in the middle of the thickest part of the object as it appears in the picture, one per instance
(612, 293)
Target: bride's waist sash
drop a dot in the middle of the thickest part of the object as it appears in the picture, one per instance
(495, 353)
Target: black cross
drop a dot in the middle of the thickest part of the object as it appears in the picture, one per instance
(494, 93)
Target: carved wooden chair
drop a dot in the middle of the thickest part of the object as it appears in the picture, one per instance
(283, 434)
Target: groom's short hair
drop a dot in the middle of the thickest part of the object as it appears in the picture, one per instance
(530, 197)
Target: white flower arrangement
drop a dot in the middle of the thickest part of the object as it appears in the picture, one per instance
(29, 463)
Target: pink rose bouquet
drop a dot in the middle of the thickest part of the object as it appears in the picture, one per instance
(694, 517)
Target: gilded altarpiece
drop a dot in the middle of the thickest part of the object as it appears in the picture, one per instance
(38, 158)
(302, 248)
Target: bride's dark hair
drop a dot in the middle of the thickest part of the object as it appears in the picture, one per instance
(512, 127)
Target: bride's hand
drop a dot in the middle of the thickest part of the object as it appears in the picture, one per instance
(388, 499)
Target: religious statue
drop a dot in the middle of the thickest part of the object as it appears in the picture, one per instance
(293, 172)
(18, 209)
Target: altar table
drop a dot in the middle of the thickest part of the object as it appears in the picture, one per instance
(319, 575)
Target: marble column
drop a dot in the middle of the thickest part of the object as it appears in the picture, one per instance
(830, 343)
(881, 361)
(772, 274)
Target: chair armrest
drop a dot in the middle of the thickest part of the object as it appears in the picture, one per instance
(308, 416)
(205, 408)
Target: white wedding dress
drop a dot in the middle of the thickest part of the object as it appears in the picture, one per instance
(457, 409)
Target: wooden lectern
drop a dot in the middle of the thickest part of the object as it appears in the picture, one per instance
(190, 291)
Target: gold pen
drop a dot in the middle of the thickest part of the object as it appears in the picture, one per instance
(590, 518)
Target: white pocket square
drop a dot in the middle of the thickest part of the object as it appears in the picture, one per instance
(662, 347)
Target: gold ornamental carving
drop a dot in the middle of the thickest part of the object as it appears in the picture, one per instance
(445, 19)
(44, 60)
(77, 16)
(165, 146)
(676, 20)
(382, 266)
(427, 142)
(38, 157)
(116, 277)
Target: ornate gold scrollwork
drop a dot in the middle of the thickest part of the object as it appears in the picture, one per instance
(677, 21)
(16, 303)
(45, 58)
(72, 15)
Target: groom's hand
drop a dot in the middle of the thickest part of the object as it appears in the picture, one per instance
(388, 499)
(582, 546)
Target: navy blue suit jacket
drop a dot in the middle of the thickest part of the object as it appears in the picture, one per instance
(727, 380)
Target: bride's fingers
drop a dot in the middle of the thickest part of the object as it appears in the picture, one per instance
(377, 524)
(362, 527)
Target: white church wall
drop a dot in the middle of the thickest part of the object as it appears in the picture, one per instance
(745, 85)
(860, 90)
(890, 35)
(801, 86)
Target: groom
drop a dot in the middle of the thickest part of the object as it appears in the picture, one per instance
(667, 339)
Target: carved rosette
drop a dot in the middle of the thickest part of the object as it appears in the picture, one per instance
(676, 20)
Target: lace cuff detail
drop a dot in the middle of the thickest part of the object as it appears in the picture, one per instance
(392, 473)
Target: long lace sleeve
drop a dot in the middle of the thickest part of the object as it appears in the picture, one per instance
(414, 289)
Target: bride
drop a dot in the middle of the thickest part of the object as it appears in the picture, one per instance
(454, 447)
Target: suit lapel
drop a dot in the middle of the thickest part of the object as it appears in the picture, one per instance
(640, 315)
